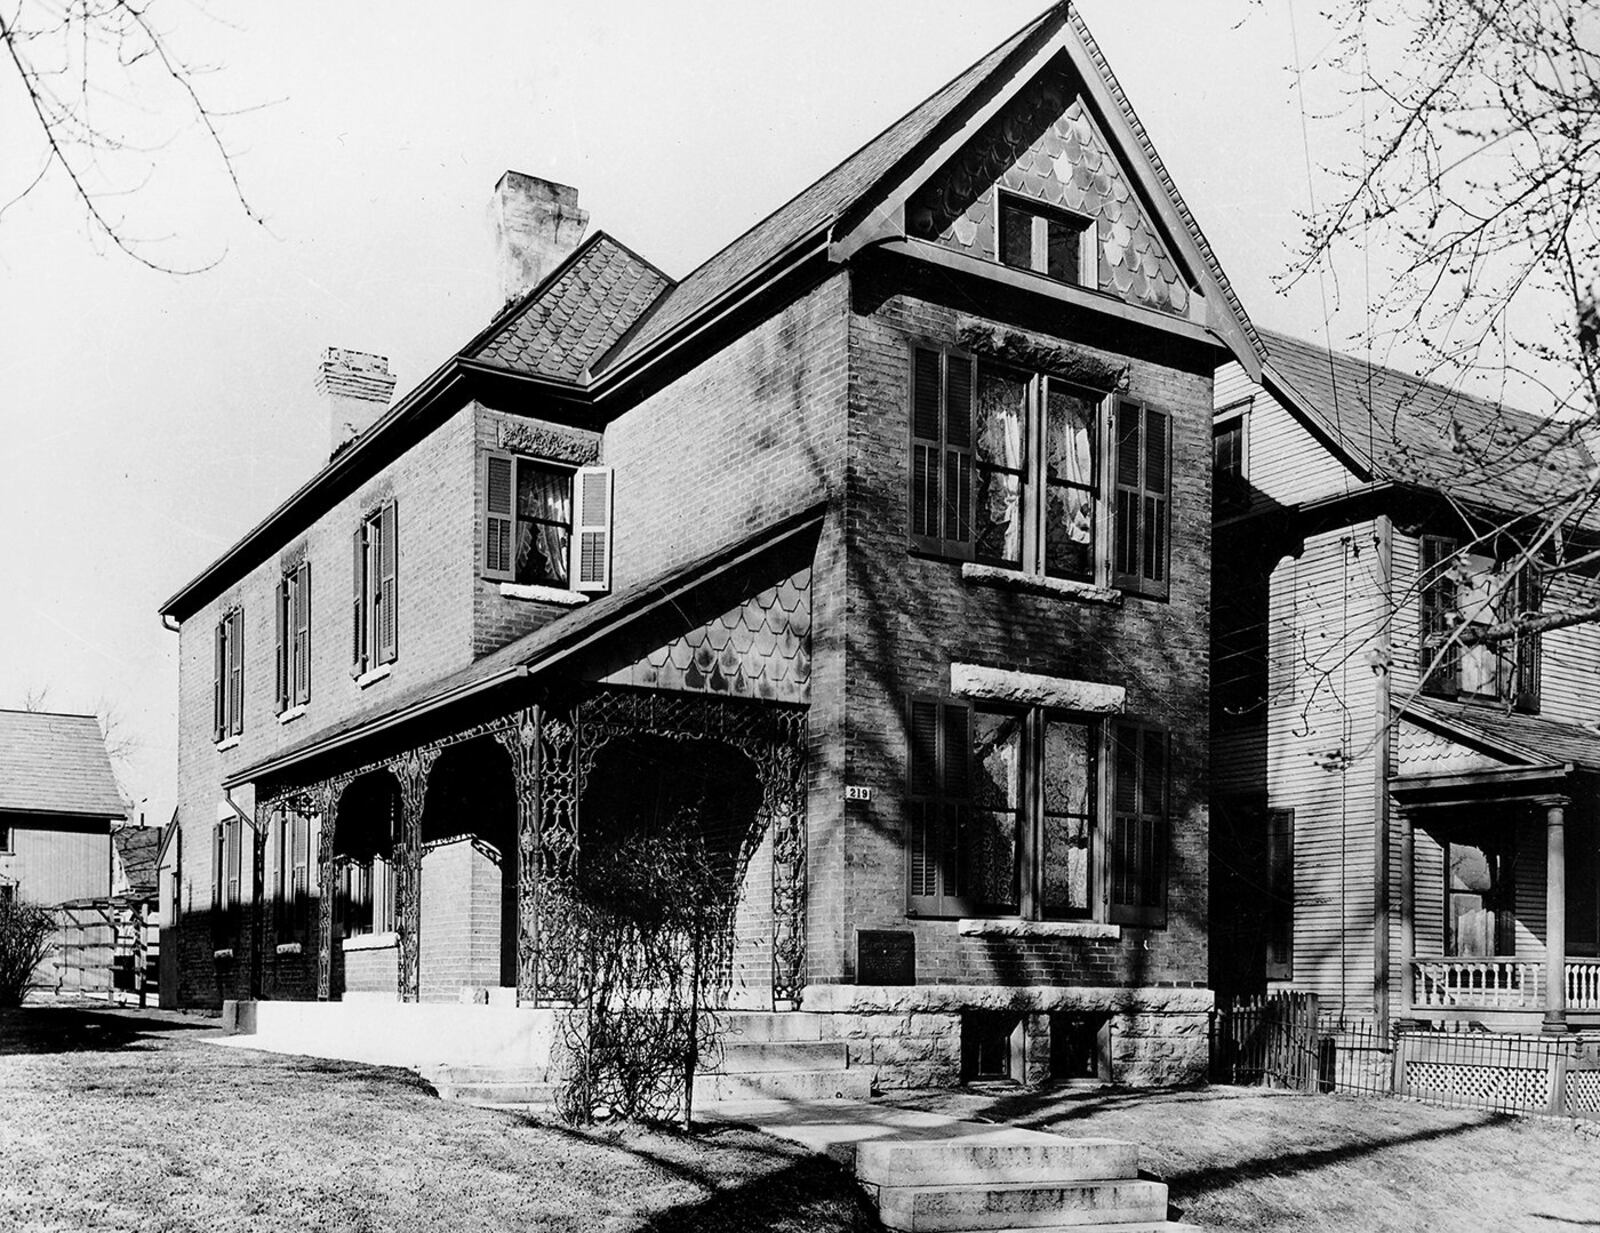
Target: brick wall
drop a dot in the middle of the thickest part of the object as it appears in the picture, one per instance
(461, 928)
(909, 618)
(432, 485)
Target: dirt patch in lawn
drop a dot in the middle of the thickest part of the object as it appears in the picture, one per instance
(123, 1120)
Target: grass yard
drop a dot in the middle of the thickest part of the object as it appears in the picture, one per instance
(121, 1121)
(1243, 1160)
(129, 1121)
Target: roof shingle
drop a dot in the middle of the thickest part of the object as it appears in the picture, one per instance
(56, 764)
(1532, 737)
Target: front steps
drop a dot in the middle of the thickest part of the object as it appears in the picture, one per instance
(1007, 1180)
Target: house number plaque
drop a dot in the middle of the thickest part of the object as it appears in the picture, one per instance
(886, 957)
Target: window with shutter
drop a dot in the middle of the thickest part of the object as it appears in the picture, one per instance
(1280, 894)
(300, 660)
(591, 564)
(941, 452)
(1438, 656)
(219, 681)
(499, 491)
(387, 614)
(1526, 652)
(358, 601)
(236, 672)
(1142, 447)
(938, 796)
(282, 654)
(528, 522)
(1137, 876)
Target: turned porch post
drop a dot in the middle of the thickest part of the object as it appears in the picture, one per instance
(1555, 914)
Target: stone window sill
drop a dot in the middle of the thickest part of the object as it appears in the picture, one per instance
(374, 676)
(372, 941)
(545, 595)
(1039, 584)
(1038, 929)
(288, 948)
(225, 952)
(231, 743)
(292, 714)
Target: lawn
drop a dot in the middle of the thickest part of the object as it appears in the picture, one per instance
(132, 1122)
(116, 1121)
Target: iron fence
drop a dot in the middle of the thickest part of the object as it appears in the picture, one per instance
(1281, 1040)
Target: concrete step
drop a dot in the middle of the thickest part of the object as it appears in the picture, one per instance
(744, 1057)
(498, 1093)
(767, 1025)
(1073, 1205)
(484, 1074)
(784, 1084)
(1003, 1157)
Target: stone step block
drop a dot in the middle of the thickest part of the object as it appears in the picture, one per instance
(485, 1074)
(994, 1157)
(784, 1084)
(502, 1093)
(1073, 1205)
(769, 1025)
(742, 1057)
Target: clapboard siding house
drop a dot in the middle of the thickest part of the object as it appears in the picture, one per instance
(887, 530)
(1405, 820)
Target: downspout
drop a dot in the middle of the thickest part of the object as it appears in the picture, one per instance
(257, 886)
(1380, 779)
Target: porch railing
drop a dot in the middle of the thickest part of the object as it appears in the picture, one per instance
(1479, 984)
(1583, 984)
(1500, 984)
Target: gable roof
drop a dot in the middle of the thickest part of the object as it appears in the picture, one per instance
(823, 202)
(1398, 427)
(1529, 738)
(575, 314)
(56, 764)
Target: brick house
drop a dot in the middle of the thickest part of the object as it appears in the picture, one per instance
(1420, 812)
(883, 537)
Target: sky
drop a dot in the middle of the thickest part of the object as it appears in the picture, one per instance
(148, 419)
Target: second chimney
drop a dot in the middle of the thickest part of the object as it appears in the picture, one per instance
(537, 223)
(356, 386)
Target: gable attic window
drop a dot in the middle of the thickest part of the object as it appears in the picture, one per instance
(375, 591)
(292, 610)
(546, 525)
(1009, 469)
(1047, 241)
(227, 680)
(1460, 590)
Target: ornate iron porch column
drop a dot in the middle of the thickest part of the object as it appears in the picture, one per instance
(326, 798)
(521, 743)
(411, 770)
(1555, 913)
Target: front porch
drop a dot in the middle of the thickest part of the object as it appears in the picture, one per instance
(1502, 991)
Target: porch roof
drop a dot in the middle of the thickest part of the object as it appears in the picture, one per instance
(535, 654)
(1520, 739)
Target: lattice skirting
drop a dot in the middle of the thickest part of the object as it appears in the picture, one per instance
(1583, 1093)
(1497, 1087)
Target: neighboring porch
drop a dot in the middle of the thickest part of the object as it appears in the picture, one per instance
(1499, 914)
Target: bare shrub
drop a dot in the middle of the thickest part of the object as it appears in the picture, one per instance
(25, 931)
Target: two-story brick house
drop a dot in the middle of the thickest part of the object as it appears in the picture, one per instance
(1404, 817)
(882, 539)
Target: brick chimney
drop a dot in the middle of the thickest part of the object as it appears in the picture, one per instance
(356, 387)
(536, 223)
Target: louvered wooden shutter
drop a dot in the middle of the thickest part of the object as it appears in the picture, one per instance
(358, 601)
(1137, 881)
(235, 690)
(388, 584)
(219, 681)
(302, 634)
(1526, 651)
(282, 651)
(499, 522)
(1141, 512)
(1280, 894)
(941, 453)
(938, 785)
(1436, 618)
(591, 534)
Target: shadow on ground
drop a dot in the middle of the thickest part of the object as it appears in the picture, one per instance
(73, 1029)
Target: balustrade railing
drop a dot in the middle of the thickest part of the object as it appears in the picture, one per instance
(1479, 984)
(1583, 984)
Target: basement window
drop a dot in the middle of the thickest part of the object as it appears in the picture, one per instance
(989, 1039)
(1080, 1047)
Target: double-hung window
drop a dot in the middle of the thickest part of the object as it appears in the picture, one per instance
(1004, 808)
(1048, 241)
(1033, 473)
(291, 860)
(546, 524)
(1460, 591)
(375, 593)
(292, 606)
(227, 679)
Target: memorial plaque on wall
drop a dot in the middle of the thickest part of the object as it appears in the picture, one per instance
(886, 957)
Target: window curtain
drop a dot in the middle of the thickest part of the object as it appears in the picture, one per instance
(544, 521)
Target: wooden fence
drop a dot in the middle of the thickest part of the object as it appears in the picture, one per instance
(105, 950)
(1270, 1040)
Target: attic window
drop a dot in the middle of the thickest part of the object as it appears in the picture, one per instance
(1047, 241)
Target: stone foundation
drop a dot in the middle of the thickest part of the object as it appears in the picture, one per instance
(910, 1036)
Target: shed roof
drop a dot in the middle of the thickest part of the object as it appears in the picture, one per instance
(1399, 427)
(52, 763)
